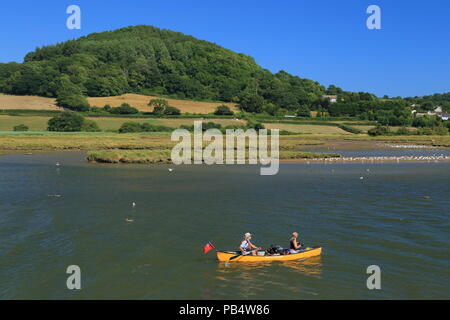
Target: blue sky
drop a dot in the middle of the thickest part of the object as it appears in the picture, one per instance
(323, 40)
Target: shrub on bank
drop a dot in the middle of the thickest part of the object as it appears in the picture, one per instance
(205, 126)
(253, 124)
(403, 131)
(350, 129)
(21, 127)
(133, 127)
(427, 131)
(223, 110)
(71, 122)
(124, 108)
(130, 127)
(172, 111)
(379, 131)
(90, 126)
(66, 122)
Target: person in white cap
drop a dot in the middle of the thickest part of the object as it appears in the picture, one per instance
(247, 247)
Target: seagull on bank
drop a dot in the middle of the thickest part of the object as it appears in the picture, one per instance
(170, 169)
(129, 220)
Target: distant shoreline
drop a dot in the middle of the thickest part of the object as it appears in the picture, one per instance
(139, 148)
(330, 160)
(377, 159)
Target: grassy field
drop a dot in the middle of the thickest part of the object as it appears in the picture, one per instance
(365, 128)
(43, 141)
(125, 148)
(156, 147)
(140, 102)
(8, 102)
(46, 141)
(39, 123)
(49, 141)
(35, 123)
(307, 128)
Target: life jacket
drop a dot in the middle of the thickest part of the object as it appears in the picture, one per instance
(291, 244)
(245, 244)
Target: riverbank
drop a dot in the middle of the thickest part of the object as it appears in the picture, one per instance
(404, 158)
(48, 141)
(163, 156)
(152, 148)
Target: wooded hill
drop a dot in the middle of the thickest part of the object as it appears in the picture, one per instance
(144, 59)
(151, 61)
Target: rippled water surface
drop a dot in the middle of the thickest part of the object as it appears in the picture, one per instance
(395, 216)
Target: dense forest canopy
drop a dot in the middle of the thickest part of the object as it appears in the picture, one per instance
(148, 60)
(145, 59)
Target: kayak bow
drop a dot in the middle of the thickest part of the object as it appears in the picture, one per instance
(225, 256)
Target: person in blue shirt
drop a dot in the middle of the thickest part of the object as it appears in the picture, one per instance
(247, 247)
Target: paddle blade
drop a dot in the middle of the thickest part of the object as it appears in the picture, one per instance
(208, 247)
(232, 258)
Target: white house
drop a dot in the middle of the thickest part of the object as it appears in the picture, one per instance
(333, 99)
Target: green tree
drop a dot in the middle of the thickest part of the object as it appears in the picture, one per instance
(254, 124)
(66, 122)
(304, 111)
(130, 127)
(90, 126)
(252, 104)
(379, 130)
(21, 127)
(172, 111)
(73, 102)
(223, 110)
(159, 105)
(271, 109)
(124, 108)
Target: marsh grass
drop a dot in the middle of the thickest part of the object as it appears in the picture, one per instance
(151, 148)
(130, 156)
(164, 156)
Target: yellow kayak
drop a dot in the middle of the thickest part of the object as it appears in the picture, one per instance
(225, 256)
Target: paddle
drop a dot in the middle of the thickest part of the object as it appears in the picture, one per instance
(238, 255)
(234, 257)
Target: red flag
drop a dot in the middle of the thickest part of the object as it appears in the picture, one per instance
(208, 247)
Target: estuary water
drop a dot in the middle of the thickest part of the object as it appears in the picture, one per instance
(394, 215)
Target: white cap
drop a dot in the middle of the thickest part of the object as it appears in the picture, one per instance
(247, 235)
